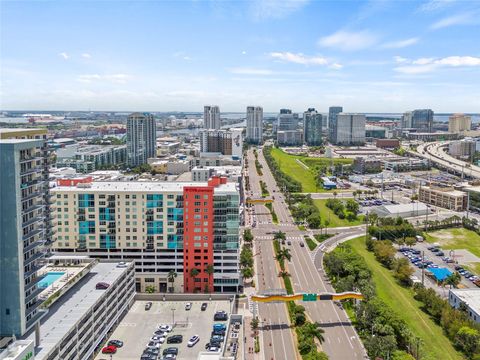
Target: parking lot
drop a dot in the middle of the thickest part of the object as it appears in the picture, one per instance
(138, 326)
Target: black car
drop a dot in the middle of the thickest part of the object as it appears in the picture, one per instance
(302, 244)
(170, 350)
(175, 339)
(102, 286)
(204, 307)
(148, 305)
(116, 343)
(220, 316)
(152, 351)
(440, 253)
(212, 344)
(218, 332)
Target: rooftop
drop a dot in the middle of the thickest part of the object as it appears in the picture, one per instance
(142, 186)
(471, 297)
(71, 306)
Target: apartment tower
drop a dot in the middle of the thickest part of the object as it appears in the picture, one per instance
(141, 138)
(255, 124)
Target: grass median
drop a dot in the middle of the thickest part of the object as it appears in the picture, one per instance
(333, 220)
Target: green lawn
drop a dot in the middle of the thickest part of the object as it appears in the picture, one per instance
(335, 221)
(401, 299)
(457, 238)
(303, 174)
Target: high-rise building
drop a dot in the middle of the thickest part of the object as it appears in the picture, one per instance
(286, 120)
(211, 117)
(290, 137)
(25, 226)
(349, 129)
(421, 119)
(312, 127)
(162, 226)
(225, 142)
(141, 138)
(255, 124)
(333, 111)
(459, 123)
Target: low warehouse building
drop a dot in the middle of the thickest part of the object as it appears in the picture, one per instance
(402, 210)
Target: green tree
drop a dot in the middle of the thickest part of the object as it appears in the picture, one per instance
(384, 252)
(194, 273)
(314, 221)
(279, 235)
(352, 206)
(247, 272)
(314, 330)
(468, 340)
(284, 254)
(453, 279)
(410, 241)
(171, 278)
(402, 270)
(150, 289)
(209, 270)
(254, 323)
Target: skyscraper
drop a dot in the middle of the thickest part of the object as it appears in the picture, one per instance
(349, 129)
(312, 127)
(255, 124)
(25, 226)
(421, 119)
(141, 138)
(211, 117)
(333, 111)
(286, 120)
(459, 123)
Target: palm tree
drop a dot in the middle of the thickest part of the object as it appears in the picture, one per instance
(209, 270)
(335, 194)
(315, 331)
(193, 274)
(279, 235)
(453, 279)
(284, 254)
(171, 278)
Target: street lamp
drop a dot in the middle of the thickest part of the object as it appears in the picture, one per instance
(173, 316)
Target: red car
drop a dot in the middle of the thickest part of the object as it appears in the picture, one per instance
(109, 349)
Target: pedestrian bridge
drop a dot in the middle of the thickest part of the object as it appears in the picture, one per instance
(308, 297)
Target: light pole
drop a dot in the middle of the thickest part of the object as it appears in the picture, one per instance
(173, 316)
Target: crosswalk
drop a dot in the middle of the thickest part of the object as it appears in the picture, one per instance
(281, 224)
(252, 306)
(270, 237)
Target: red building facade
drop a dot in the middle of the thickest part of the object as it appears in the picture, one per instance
(198, 238)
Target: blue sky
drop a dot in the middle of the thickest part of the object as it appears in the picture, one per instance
(372, 56)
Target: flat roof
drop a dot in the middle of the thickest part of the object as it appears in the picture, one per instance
(405, 207)
(143, 186)
(471, 297)
(72, 305)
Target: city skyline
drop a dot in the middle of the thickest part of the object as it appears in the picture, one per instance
(374, 56)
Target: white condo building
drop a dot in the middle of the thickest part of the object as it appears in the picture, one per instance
(349, 129)
(141, 138)
(211, 117)
(255, 124)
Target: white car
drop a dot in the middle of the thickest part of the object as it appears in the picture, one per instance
(188, 306)
(158, 339)
(214, 349)
(165, 328)
(153, 345)
(193, 340)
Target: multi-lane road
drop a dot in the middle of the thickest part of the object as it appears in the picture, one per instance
(341, 339)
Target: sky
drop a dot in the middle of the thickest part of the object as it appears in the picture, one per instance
(367, 56)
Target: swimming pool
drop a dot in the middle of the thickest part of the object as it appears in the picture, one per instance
(49, 279)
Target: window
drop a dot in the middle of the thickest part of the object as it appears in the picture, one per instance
(205, 197)
(197, 197)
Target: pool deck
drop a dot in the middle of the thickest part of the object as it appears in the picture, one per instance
(69, 272)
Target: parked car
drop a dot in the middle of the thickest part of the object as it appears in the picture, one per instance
(214, 349)
(175, 339)
(170, 350)
(204, 307)
(188, 306)
(219, 327)
(220, 316)
(289, 242)
(152, 351)
(148, 305)
(153, 345)
(440, 253)
(109, 350)
(216, 338)
(218, 332)
(160, 333)
(158, 339)
(193, 341)
(122, 264)
(102, 286)
(165, 328)
(116, 343)
(212, 343)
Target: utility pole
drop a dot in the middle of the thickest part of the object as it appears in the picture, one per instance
(423, 268)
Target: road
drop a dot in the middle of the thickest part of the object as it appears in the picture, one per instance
(435, 153)
(341, 339)
(277, 337)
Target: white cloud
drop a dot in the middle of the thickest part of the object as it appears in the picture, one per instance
(114, 78)
(348, 40)
(458, 19)
(86, 56)
(250, 71)
(299, 58)
(64, 55)
(277, 9)
(336, 66)
(400, 43)
(426, 65)
(434, 5)
(400, 59)
(244, 52)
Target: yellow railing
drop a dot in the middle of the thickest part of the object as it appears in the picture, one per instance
(308, 297)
